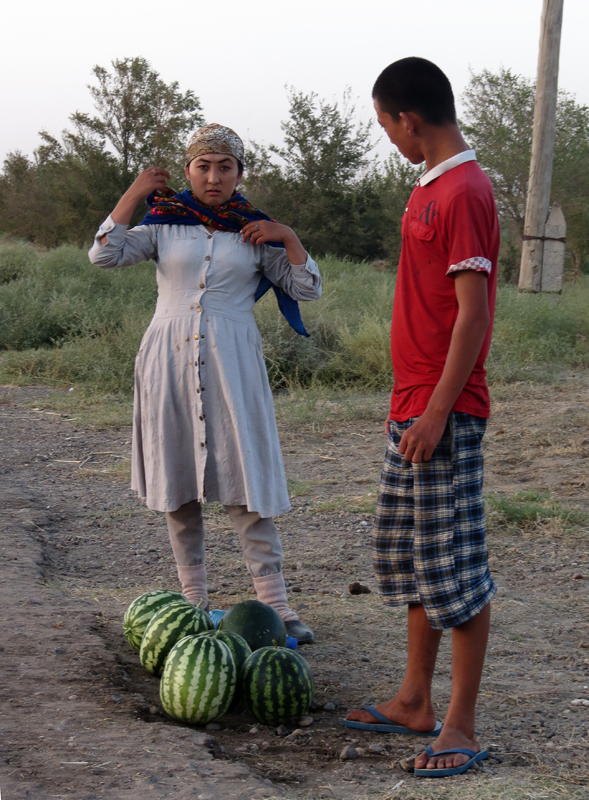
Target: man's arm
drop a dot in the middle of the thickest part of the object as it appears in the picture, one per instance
(420, 440)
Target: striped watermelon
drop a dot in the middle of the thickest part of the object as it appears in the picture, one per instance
(142, 610)
(167, 626)
(199, 679)
(276, 685)
(240, 649)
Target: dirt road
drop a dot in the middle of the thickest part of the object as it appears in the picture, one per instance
(80, 719)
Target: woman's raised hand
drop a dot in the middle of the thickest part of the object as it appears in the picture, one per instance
(266, 231)
(150, 180)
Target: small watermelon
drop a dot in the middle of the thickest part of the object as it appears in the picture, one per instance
(276, 685)
(167, 626)
(240, 649)
(142, 610)
(199, 679)
(258, 623)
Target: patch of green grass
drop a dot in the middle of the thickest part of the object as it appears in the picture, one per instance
(323, 406)
(88, 408)
(299, 488)
(530, 508)
(361, 504)
(68, 323)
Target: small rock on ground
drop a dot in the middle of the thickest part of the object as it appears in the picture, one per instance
(359, 588)
(348, 753)
(282, 730)
(328, 707)
(304, 722)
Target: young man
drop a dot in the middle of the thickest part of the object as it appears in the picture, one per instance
(429, 537)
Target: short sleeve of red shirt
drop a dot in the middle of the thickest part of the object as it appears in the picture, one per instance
(469, 228)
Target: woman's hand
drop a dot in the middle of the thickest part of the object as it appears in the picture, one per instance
(266, 231)
(150, 180)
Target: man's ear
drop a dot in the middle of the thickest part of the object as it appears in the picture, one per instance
(413, 122)
(187, 172)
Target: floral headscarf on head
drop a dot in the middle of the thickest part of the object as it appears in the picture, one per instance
(214, 138)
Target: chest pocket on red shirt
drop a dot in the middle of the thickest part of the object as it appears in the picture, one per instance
(421, 231)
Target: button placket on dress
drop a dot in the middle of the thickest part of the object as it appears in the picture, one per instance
(200, 362)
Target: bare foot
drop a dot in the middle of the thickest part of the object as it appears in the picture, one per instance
(418, 718)
(449, 739)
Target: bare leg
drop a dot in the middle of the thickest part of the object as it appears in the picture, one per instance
(469, 645)
(412, 705)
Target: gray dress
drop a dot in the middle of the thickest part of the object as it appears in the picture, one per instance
(203, 418)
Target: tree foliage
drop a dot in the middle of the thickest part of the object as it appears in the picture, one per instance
(497, 121)
(322, 180)
(143, 119)
(71, 183)
(323, 183)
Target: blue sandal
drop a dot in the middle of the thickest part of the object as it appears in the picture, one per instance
(388, 726)
(445, 773)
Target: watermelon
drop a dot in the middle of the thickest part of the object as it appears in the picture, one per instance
(240, 649)
(167, 626)
(258, 623)
(199, 679)
(142, 610)
(276, 685)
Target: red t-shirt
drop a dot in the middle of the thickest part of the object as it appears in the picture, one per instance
(450, 224)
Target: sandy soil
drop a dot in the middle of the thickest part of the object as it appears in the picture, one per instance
(79, 717)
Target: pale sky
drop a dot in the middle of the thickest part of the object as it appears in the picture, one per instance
(238, 56)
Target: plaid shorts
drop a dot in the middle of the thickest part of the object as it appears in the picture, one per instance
(429, 534)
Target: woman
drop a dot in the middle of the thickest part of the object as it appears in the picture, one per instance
(203, 423)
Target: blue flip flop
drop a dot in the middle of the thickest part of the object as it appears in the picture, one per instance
(387, 725)
(445, 773)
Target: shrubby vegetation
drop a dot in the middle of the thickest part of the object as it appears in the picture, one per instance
(66, 322)
(322, 180)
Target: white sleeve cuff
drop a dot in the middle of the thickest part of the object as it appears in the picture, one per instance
(477, 264)
(110, 226)
(308, 266)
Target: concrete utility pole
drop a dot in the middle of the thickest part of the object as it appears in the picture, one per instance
(538, 204)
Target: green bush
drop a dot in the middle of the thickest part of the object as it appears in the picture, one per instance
(64, 321)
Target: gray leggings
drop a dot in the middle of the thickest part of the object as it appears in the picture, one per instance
(258, 537)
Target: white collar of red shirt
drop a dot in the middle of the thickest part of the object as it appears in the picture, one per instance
(445, 166)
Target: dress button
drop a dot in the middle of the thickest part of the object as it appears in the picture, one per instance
(198, 390)
(202, 336)
(202, 444)
(202, 362)
(201, 417)
(198, 308)
(207, 258)
(201, 286)
(195, 336)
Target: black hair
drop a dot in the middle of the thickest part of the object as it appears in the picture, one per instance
(418, 85)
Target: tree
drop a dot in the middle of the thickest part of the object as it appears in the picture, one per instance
(315, 185)
(497, 121)
(144, 120)
(323, 183)
(70, 185)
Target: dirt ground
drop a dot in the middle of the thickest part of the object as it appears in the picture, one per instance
(80, 719)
